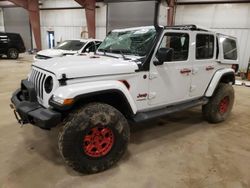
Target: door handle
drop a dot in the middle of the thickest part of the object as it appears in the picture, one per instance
(208, 68)
(184, 71)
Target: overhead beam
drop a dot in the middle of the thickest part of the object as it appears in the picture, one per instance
(32, 6)
(89, 6)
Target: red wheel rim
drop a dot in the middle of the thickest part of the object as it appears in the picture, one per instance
(224, 104)
(98, 142)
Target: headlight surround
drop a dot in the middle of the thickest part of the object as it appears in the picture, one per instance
(62, 101)
(57, 99)
(48, 84)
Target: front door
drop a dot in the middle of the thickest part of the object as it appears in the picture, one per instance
(170, 83)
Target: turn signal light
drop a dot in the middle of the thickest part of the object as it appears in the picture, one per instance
(68, 101)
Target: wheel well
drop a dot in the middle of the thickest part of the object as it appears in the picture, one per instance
(114, 98)
(227, 78)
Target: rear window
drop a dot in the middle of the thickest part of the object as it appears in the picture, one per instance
(229, 49)
(14, 36)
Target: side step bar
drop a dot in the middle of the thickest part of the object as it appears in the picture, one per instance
(144, 116)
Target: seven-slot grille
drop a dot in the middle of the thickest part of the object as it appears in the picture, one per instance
(38, 79)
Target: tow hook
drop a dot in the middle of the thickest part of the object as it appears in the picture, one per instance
(18, 118)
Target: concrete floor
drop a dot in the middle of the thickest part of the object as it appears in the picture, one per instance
(178, 151)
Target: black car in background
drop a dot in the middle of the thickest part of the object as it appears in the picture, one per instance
(11, 44)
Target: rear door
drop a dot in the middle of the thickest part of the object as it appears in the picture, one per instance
(204, 62)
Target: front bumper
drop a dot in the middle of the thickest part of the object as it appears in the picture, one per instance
(28, 110)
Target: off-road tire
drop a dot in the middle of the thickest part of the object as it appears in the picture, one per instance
(12, 53)
(78, 125)
(212, 111)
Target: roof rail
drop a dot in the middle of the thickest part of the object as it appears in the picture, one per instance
(185, 27)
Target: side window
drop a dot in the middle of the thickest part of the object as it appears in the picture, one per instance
(204, 46)
(90, 47)
(229, 49)
(179, 42)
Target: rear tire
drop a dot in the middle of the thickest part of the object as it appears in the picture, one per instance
(94, 138)
(220, 104)
(12, 53)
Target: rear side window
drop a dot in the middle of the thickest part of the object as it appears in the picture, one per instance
(229, 49)
(179, 42)
(204, 46)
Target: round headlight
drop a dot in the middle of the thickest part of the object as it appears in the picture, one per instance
(48, 84)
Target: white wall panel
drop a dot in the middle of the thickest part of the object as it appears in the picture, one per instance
(231, 16)
(59, 3)
(1, 20)
(68, 23)
(232, 19)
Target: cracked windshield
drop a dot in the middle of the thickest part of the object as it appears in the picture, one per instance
(130, 42)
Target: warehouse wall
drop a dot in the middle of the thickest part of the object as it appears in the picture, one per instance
(232, 19)
(70, 22)
(16, 20)
(1, 20)
(133, 14)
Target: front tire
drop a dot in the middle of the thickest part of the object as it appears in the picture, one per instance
(12, 53)
(220, 104)
(94, 138)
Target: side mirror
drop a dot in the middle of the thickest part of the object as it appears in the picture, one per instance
(87, 50)
(163, 55)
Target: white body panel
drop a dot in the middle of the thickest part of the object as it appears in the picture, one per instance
(72, 91)
(216, 78)
(85, 66)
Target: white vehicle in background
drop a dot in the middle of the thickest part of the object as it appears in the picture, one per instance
(69, 47)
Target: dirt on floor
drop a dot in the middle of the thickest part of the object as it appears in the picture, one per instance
(180, 150)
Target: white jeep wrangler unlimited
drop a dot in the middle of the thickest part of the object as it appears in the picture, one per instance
(135, 75)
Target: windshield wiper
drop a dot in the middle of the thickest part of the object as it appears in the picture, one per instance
(105, 51)
(123, 56)
(121, 52)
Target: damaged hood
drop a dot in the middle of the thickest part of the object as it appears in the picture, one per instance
(86, 66)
